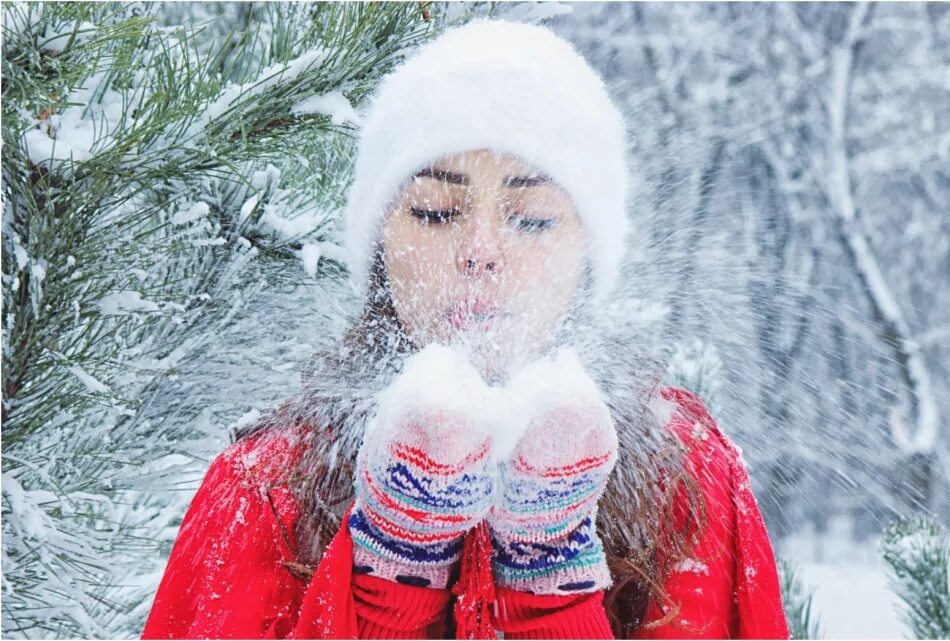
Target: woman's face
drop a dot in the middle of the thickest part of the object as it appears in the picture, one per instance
(482, 248)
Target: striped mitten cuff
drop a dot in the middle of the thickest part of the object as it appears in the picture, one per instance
(544, 525)
(418, 492)
(572, 564)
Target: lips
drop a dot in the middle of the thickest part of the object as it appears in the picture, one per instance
(477, 314)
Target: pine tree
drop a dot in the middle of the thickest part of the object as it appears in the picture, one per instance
(166, 168)
(917, 553)
(697, 366)
(797, 602)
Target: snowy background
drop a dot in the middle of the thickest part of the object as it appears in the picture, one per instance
(169, 260)
(802, 156)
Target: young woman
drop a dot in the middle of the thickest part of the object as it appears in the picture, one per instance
(490, 449)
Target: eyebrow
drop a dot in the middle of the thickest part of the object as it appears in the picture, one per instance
(527, 181)
(462, 179)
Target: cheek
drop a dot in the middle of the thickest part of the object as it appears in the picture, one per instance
(546, 274)
(421, 257)
(417, 268)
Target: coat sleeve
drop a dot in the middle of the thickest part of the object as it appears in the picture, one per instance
(758, 593)
(728, 587)
(340, 605)
(522, 615)
(224, 578)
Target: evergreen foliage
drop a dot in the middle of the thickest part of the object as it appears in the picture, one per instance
(803, 623)
(165, 166)
(917, 552)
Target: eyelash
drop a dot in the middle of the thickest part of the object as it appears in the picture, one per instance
(532, 225)
(522, 223)
(437, 216)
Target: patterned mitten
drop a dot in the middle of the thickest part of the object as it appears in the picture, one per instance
(544, 535)
(423, 476)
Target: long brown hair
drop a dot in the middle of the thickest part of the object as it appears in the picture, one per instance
(636, 515)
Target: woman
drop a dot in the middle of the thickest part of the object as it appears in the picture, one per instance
(489, 449)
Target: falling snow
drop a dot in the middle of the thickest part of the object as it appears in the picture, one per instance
(789, 266)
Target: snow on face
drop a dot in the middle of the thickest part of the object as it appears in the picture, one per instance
(482, 249)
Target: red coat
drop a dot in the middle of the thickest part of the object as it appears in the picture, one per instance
(225, 579)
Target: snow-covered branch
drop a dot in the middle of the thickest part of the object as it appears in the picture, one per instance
(896, 330)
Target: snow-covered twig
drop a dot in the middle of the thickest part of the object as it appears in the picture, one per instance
(896, 330)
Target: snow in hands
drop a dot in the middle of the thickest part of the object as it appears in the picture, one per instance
(441, 378)
(532, 457)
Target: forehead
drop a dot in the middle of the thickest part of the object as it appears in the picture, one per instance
(486, 159)
(482, 166)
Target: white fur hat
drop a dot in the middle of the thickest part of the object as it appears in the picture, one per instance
(511, 87)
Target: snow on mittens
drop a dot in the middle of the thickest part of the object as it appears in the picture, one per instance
(423, 476)
(543, 526)
(445, 450)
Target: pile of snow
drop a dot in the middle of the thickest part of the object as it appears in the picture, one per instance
(83, 129)
(236, 94)
(442, 378)
(436, 379)
(333, 104)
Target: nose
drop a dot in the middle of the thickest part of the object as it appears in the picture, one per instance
(481, 252)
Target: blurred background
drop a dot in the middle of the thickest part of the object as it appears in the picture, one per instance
(173, 175)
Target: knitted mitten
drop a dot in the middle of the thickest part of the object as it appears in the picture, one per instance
(544, 536)
(422, 477)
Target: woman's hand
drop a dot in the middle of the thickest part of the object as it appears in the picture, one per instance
(543, 528)
(423, 476)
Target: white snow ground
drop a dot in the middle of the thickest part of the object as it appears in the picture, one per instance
(850, 580)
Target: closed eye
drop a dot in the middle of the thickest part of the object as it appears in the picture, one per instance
(437, 216)
(531, 225)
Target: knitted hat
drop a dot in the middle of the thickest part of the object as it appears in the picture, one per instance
(512, 87)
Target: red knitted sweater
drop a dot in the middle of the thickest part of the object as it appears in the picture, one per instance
(225, 577)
